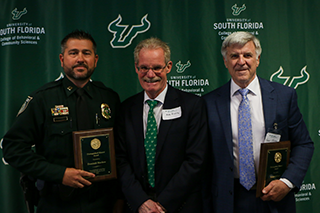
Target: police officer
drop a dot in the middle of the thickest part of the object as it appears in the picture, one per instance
(47, 119)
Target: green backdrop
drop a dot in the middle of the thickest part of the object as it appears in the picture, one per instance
(31, 31)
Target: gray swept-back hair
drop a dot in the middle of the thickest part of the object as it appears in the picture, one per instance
(240, 38)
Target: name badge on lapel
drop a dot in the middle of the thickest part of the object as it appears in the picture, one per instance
(169, 114)
(273, 135)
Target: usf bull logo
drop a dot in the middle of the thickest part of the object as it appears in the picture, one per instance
(182, 67)
(120, 40)
(237, 10)
(17, 14)
(295, 81)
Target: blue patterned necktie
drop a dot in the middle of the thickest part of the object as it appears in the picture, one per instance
(150, 142)
(246, 160)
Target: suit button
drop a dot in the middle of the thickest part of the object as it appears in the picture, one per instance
(230, 192)
(231, 169)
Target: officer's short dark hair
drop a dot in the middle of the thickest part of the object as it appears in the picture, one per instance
(78, 34)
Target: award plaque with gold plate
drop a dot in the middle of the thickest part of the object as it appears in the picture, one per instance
(274, 159)
(94, 152)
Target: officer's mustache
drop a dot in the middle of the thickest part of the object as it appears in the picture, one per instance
(80, 65)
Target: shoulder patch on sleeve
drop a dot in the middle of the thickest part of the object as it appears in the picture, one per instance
(25, 105)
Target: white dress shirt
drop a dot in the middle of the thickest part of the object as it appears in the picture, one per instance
(257, 120)
(157, 109)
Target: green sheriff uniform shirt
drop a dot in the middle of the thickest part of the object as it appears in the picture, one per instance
(47, 120)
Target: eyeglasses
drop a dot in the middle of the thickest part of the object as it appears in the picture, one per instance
(157, 69)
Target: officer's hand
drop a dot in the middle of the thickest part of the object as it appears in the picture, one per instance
(75, 178)
(276, 191)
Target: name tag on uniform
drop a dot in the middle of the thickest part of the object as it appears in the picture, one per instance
(169, 114)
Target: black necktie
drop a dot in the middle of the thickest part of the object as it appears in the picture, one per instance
(82, 111)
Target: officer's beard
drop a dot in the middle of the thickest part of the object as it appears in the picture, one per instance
(76, 75)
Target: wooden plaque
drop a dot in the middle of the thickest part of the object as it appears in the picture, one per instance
(94, 152)
(274, 159)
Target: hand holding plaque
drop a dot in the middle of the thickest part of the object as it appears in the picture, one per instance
(274, 159)
(94, 152)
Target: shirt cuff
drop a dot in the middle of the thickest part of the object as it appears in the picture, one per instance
(287, 182)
